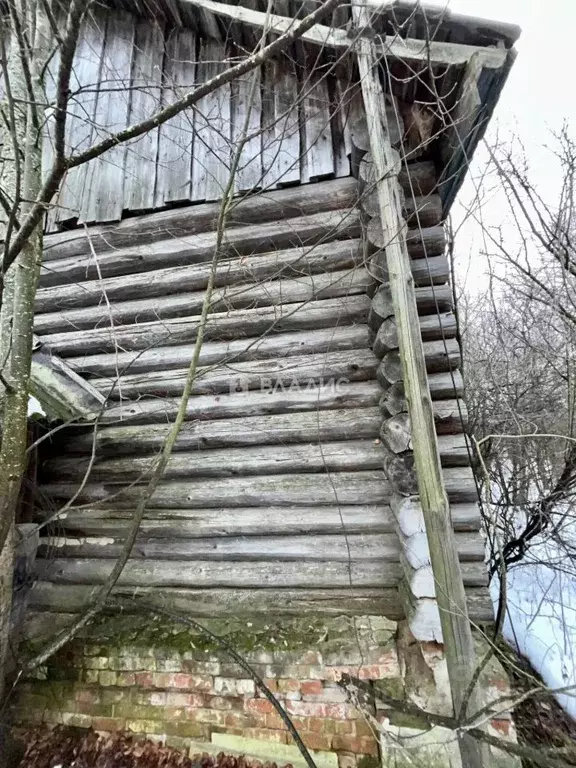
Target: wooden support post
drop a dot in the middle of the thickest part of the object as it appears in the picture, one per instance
(449, 585)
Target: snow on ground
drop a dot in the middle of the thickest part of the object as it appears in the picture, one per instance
(541, 615)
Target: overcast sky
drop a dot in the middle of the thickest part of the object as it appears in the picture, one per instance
(540, 93)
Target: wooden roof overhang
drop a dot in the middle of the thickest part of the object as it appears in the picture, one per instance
(454, 63)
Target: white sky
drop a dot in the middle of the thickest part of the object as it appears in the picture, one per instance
(540, 93)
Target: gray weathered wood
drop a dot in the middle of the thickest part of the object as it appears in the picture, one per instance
(249, 521)
(421, 243)
(356, 395)
(62, 393)
(439, 357)
(276, 235)
(280, 124)
(282, 374)
(246, 101)
(277, 429)
(433, 270)
(176, 136)
(271, 490)
(432, 327)
(450, 418)
(423, 211)
(408, 513)
(303, 549)
(415, 178)
(460, 652)
(229, 462)
(458, 481)
(317, 152)
(188, 573)
(213, 352)
(212, 126)
(142, 154)
(429, 300)
(275, 205)
(322, 257)
(221, 325)
(442, 386)
(290, 290)
(46, 596)
(103, 198)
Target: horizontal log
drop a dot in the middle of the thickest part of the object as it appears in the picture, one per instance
(421, 243)
(458, 481)
(188, 573)
(439, 356)
(340, 194)
(324, 313)
(471, 548)
(360, 136)
(408, 513)
(422, 584)
(247, 404)
(424, 619)
(277, 429)
(415, 178)
(420, 211)
(193, 249)
(291, 373)
(294, 262)
(454, 452)
(235, 350)
(328, 285)
(304, 548)
(271, 490)
(442, 386)
(433, 270)
(248, 521)
(430, 300)
(450, 418)
(349, 455)
(432, 328)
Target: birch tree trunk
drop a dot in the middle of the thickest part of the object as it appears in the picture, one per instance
(17, 316)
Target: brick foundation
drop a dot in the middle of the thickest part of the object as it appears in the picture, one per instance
(188, 694)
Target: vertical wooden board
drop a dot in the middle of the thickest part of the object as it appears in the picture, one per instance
(176, 143)
(103, 198)
(142, 155)
(317, 157)
(246, 121)
(212, 127)
(281, 126)
(347, 107)
(81, 109)
(48, 133)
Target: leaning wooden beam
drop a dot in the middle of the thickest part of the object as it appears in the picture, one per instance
(392, 46)
(62, 393)
(447, 573)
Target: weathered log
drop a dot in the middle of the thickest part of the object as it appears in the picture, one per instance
(246, 404)
(442, 385)
(280, 374)
(439, 356)
(421, 581)
(408, 513)
(275, 205)
(421, 243)
(433, 270)
(235, 549)
(191, 573)
(432, 327)
(249, 521)
(233, 351)
(322, 257)
(238, 241)
(278, 429)
(48, 597)
(360, 137)
(416, 178)
(450, 418)
(454, 452)
(470, 549)
(458, 477)
(349, 455)
(324, 313)
(423, 614)
(422, 211)
(287, 290)
(429, 300)
(368, 487)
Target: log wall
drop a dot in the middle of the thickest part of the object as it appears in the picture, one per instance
(279, 487)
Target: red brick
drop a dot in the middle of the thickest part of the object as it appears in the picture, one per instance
(237, 720)
(108, 724)
(144, 679)
(258, 705)
(316, 740)
(317, 724)
(502, 726)
(273, 720)
(222, 702)
(311, 687)
(363, 728)
(176, 699)
(271, 683)
(361, 746)
(341, 711)
(288, 684)
(279, 737)
(126, 679)
(335, 673)
(343, 727)
(307, 708)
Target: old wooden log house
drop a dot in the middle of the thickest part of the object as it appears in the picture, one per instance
(293, 487)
